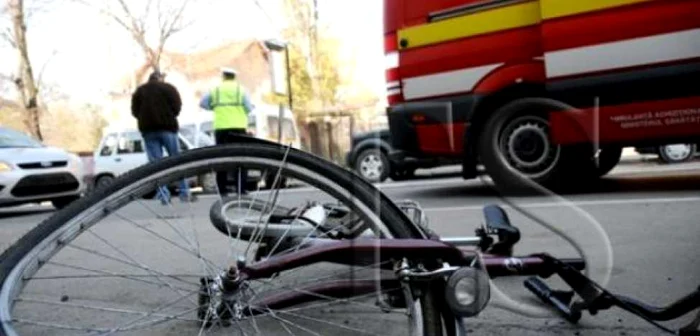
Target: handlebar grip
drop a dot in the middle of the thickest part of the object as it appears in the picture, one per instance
(497, 222)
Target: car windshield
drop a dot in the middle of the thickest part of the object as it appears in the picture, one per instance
(13, 139)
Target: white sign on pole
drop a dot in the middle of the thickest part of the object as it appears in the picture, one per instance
(279, 73)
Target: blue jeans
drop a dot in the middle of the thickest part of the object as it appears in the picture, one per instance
(155, 143)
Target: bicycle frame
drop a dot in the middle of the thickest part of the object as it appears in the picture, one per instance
(364, 252)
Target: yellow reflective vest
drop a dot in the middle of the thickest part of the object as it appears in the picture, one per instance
(227, 105)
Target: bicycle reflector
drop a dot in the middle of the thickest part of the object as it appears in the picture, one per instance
(467, 291)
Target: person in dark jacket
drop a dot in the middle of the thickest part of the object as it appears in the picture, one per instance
(156, 106)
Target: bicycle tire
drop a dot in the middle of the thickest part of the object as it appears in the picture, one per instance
(14, 261)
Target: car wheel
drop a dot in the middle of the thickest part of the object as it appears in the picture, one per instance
(372, 165)
(60, 203)
(103, 181)
(677, 153)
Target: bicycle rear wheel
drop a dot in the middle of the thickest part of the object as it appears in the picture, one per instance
(103, 266)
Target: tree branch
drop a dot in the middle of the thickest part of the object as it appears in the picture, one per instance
(40, 75)
(7, 37)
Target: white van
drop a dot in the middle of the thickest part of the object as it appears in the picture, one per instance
(123, 149)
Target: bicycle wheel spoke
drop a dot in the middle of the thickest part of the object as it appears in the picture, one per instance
(98, 308)
(338, 325)
(106, 276)
(274, 195)
(159, 284)
(132, 263)
(150, 323)
(320, 296)
(157, 310)
(274, 316)
(193, 253)
(57, 326)
(164, 220)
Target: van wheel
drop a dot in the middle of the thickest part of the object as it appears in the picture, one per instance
(515, 146)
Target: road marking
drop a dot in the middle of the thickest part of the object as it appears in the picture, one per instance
(577, 203)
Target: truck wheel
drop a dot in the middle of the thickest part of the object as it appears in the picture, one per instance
(677, 153)
(515, 146)
(372, 165)
(608, 158)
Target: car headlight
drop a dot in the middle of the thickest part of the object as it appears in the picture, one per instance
(5, 167)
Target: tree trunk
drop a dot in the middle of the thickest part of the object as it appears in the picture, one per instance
(26, 85)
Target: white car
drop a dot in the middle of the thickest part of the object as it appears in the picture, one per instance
(31, 172)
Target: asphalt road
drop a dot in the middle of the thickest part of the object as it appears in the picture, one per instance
(649, 216)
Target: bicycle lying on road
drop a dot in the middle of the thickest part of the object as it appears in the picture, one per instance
(343, 259)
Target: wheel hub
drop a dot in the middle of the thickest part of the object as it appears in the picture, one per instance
(371, 166)
(677, 152)
(526, 146)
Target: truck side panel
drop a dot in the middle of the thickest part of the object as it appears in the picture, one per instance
(623, 63)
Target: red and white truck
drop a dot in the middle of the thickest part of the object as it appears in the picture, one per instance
(550, 89)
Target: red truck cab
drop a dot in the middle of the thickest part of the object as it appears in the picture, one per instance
(540, 88)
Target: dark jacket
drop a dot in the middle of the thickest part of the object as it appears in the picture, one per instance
(156, 106)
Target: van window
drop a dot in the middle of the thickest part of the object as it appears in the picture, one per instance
(287, 127)
(130, 143)
(109, 145)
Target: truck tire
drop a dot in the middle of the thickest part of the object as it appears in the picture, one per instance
(372, 165)
(608, 158)
(515, 147)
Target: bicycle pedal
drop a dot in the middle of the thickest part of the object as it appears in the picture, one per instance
(559, 300)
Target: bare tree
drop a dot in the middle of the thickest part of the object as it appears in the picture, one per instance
(24, 81)
(169, 17)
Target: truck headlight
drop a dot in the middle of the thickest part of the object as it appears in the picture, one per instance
(5, 167)
(468, 291)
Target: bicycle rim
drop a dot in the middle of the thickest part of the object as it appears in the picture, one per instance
(47, 275)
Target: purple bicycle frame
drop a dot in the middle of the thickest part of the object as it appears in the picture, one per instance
(366, 252)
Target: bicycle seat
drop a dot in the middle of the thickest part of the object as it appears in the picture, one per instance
(497, 223)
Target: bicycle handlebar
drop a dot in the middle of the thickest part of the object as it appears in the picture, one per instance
(673, 311)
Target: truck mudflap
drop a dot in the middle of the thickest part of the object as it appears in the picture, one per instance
(435, 128)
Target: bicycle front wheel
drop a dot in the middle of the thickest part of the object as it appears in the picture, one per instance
(116, 263)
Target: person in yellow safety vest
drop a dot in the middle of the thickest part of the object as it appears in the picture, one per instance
(231, 106)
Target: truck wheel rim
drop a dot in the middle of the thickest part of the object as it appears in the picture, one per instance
(677, 152)
(371, 166)
(527, 148)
